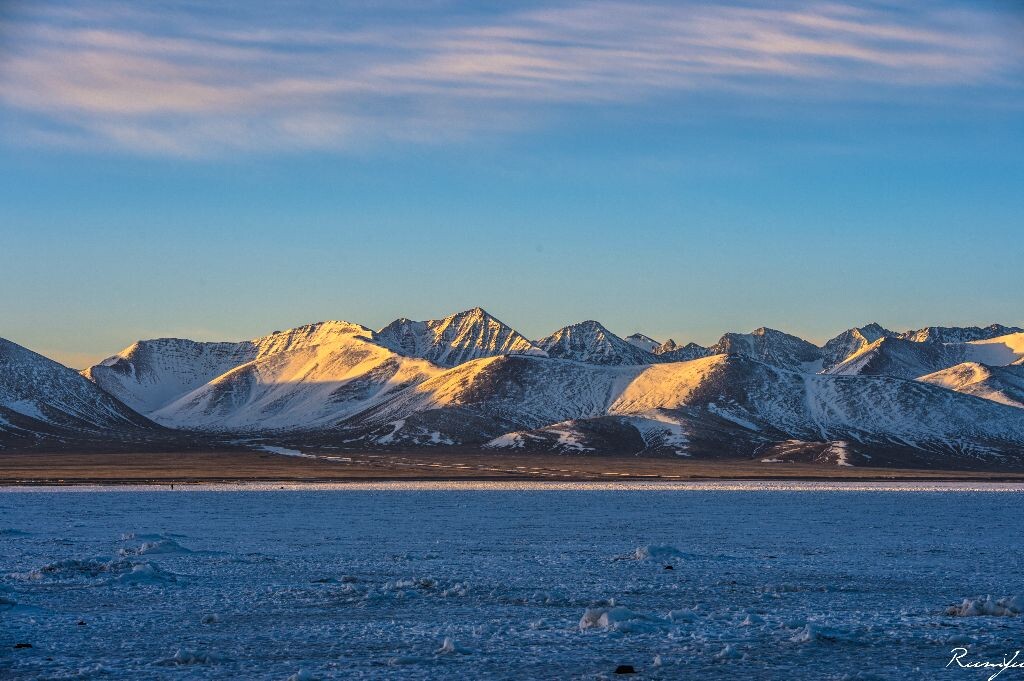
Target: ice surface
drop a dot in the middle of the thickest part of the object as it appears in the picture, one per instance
(515, 581)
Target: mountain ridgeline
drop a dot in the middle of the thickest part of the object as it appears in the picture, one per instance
(935, 397)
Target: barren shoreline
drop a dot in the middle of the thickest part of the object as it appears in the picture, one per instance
(120, 468)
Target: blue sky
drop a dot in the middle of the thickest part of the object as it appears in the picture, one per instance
(680, 169)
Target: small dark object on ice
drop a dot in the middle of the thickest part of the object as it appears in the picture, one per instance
(22, 645)
(669, 567)
(625, 669)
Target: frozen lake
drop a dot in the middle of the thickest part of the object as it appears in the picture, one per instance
(783, 580)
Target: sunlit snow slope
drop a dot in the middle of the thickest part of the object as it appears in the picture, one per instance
(1000, 384)
(307, 377)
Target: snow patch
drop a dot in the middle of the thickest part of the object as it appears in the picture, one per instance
(284, 451)
(27, 408)
(390, 437)
(839, 451)
(515, 440)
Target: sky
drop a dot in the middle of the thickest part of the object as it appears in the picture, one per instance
(219, 171)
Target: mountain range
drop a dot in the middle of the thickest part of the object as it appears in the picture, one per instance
(950, 397)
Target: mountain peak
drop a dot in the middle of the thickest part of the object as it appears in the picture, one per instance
(474, 313)
(590, 324)
(771, 346)
(851, 342)
(667, 346)
(589, 341)
(643, 342)
(670, 351)
(460, 337)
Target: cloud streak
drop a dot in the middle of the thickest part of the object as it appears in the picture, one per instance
(183, 83)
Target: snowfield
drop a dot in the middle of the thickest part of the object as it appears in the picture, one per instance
(510, 581)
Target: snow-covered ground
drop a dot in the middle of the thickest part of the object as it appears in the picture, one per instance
(516, 581)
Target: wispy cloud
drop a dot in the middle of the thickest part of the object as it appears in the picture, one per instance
(188, 82)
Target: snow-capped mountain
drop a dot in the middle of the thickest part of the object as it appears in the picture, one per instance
(958, 334)
(723, 401)
(643, 342)
(309, 377)
(484, 398)
(42, 400)
(772, 347)
(850, 342)
(150, 374)
(891, 356)
(455, 339)
(590, 342)
(669, 351)
(667, 346)
(999, 384)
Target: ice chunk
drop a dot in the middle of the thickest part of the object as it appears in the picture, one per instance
(682, 615)
(160, 546)
(657, 552)
(71, 568)
(185, 656)
(618, 618)
(74, 569)
(449, 647)
(145, 573)
(813, 632)
(729, 652)
(1010, 606)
